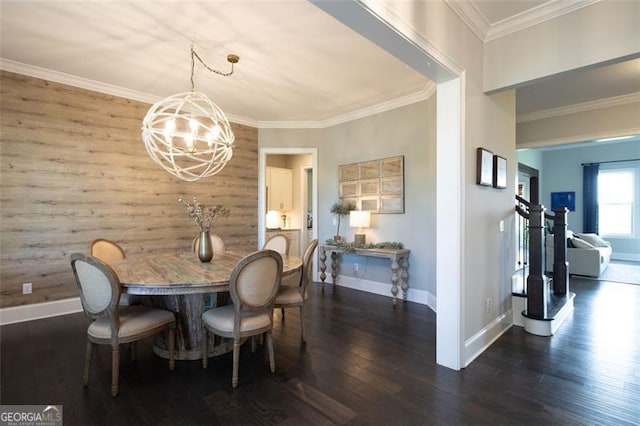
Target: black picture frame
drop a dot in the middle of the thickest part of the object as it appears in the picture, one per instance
(484, 167)
(499, 172)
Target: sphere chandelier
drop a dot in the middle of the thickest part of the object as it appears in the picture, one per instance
(187, 134)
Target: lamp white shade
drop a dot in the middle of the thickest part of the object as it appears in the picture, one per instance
(273, 219)
(359, 219)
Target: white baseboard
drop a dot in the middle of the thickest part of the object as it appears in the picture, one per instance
(518, 304)
(485, 337)
(629, 257)
(15, 314)
(384, 289)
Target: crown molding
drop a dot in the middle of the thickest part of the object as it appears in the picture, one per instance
(537, 15)
(581, 107)
(412, 98)
(109, 89)
(477, 22)
(586, 138)
(471, 16)
(75, 81)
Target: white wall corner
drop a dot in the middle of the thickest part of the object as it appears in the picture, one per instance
(479, 342)
(16, 314)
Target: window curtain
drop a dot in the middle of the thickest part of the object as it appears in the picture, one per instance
(590, 198)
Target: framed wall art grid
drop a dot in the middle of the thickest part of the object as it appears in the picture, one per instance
(376, 186)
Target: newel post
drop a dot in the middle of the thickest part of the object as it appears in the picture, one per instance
(536, 292)
(560, 264)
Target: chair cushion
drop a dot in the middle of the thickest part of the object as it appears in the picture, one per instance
(134, 320)
(288, 296)
(221, 319)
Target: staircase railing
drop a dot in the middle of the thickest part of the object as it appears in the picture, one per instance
(522, 243)
(531, 217)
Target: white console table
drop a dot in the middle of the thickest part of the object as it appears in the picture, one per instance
(399, 265)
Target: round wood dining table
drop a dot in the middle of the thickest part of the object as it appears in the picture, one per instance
(179, 282)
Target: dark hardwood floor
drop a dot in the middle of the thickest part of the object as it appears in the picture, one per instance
(365, 363)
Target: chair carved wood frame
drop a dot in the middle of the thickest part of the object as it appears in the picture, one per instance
(102, 303)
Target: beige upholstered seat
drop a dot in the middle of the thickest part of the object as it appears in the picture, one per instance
(110, 252)
(217, 244)
(292, 297)
(253, 286)
(279, 243)
(112, 324)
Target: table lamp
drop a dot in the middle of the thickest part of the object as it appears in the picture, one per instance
(273, 219)
(359, 219)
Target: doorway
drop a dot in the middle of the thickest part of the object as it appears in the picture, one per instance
(524, 191)
(302, 215)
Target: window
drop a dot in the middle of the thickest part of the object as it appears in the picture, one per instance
(615, 202)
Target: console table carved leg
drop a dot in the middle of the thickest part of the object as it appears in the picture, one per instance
(394, 279)
(323, 266)
(334, 266)
(404, 276)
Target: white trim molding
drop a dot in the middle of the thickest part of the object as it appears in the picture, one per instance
(108, 89)
(412, 98)
(484, 338)
(422, 297)
(580, 107)
(473, 17)
(548, 328)
(16, 314)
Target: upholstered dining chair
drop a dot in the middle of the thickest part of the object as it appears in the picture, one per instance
(113, 324)
(217, 244)
(106, 250)
(279, 243)
(294, 297)
(110, 252)
(253, 286)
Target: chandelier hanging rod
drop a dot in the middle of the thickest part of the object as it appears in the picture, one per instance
(231, 58)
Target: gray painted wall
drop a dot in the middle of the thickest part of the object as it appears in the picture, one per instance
(408, 131)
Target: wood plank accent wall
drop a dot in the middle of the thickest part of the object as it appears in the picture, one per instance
(74, 168)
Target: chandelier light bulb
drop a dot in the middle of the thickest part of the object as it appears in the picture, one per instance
(212, 135)
(188, 140)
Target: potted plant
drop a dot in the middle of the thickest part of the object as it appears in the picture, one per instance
(341, 209)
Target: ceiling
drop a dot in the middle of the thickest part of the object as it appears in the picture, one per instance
(297, 64)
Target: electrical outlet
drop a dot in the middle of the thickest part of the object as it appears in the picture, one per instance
(488, 307)
(355, 267)
(27, 288)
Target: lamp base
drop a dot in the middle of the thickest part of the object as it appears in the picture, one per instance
(359, 239)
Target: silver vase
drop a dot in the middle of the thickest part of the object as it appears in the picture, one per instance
(205, 251)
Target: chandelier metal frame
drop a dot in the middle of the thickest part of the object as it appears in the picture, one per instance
(187, 134)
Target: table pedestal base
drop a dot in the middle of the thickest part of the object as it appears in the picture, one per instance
(189, 332)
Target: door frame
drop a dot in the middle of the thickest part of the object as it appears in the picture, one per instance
(262, 168)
